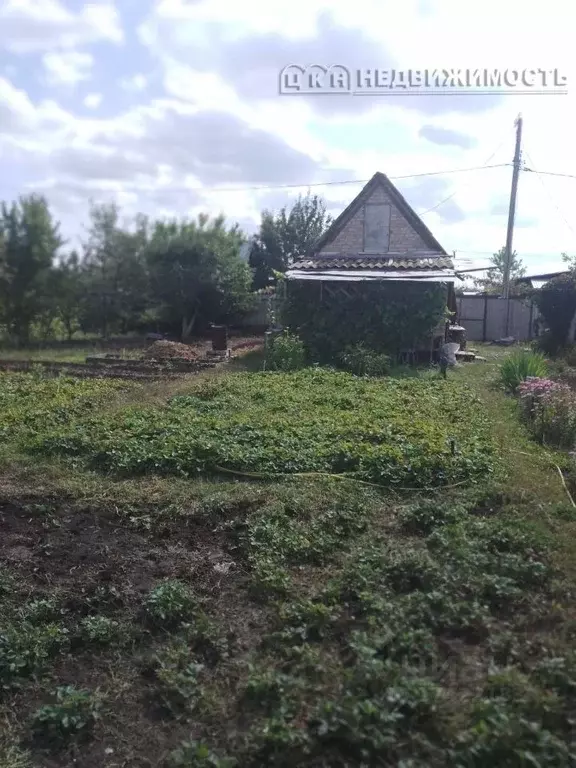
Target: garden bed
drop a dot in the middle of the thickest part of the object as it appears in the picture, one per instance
(295, 621)
(95, 367)
(396, 433)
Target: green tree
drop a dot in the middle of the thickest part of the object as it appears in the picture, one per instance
(285, 236)
(197, 275)
(556, 301)
(69, 292)
(114, 272)
(493, 283)
(29, 242)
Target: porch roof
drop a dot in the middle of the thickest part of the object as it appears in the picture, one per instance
(345, 276)
(383, 262)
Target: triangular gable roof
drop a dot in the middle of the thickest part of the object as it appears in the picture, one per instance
(380, 179)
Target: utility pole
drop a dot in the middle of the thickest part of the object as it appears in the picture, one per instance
(511, 215)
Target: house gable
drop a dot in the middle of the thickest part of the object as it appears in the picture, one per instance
(378, 221)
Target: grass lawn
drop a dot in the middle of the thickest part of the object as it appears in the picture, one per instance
(252, 569)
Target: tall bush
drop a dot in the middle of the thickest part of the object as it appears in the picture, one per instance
(364, 362)
(285, 352)
(556, 301)
(383, 317)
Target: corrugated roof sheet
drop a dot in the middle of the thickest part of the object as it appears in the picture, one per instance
(386, 263)
(417, 276)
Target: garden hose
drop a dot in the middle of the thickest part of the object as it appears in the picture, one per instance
(271, 476)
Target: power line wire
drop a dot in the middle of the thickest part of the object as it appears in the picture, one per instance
(446, 199)
(345, 181)
(546, 190)
(532, 253)
(549, 173)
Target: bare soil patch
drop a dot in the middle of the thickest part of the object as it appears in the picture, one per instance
(92, 563)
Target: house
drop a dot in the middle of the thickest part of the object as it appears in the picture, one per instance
(377, 254)
(537, 281)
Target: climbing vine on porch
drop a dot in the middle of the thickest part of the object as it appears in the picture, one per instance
(391, 317)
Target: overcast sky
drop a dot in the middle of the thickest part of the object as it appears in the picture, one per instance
(154, 103)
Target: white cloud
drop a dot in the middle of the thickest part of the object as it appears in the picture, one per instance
(19, 117)
(67, 67)
(39, 25)
(220, 121)
(93, 100)
(134, 83)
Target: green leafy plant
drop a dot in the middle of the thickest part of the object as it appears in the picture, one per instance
(269, 688)
(362, 361)
(194, 754)
(285, 352)
(26, 648)
(502, 734)
(362, 723)
(520, 366)
(40, 611)
(556, 301)
(376, 315)
(392, 432)
(424, 517)
(177, 678)
(99, 630)
(170, 603)
(73, 714)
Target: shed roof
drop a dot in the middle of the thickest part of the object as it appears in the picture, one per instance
(380, 180)
(375, 262)
(432, 261)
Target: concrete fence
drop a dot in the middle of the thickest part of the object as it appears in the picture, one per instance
(484, 317)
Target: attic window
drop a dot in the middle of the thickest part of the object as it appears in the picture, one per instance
(376, 227)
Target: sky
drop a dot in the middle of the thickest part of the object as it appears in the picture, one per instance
(172, 107)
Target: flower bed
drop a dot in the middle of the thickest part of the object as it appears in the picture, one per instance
(549, 409)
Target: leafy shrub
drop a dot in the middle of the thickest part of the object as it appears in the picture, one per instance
(550, 346)
(285, 352)
(569, 355)
(25, 649)
(397, 642)
(194, 754)
(424, 517)
(382, 317)
(365, 726)
(170, 603)
(99, 630)
(206, 639)
(549, 409)
(177, 678)
(410, 570)
(362, 361)
(74, 714)
(556, 301)
(305, 621)
(268, 689)
(557, 673)
(520, 366)
(40, 611)
(501, 735)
